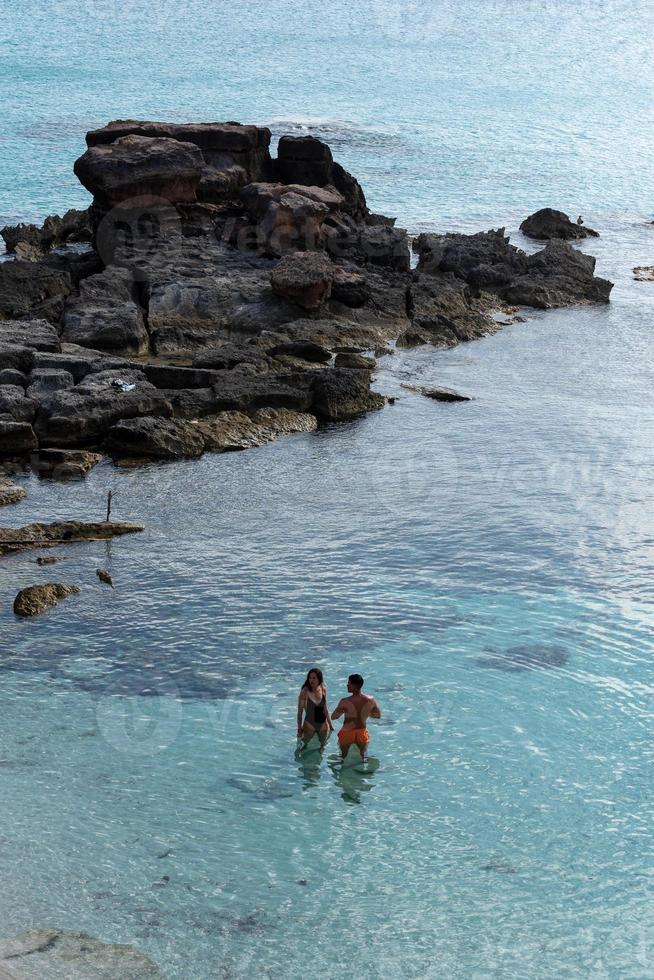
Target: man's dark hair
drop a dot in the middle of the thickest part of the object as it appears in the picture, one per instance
(356, 679)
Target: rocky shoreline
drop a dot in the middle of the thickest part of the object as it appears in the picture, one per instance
(226, 297)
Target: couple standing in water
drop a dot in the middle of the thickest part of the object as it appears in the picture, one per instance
(314, 718)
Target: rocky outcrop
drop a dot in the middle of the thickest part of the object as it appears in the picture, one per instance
(74, 226)
(140, 166)
(548, 223)
(14, 539)
(36, 599)
(58, 955)
(486, 262)
(224, 283)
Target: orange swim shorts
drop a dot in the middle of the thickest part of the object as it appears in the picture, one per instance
(353, 736)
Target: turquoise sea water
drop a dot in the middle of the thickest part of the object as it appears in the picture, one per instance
(487, 566)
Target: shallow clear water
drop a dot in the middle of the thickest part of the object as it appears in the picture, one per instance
(487, 566)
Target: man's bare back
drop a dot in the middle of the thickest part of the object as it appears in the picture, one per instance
(357, 709)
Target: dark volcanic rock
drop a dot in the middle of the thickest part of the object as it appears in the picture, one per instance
(74, 226)
(10, 376)
(138, 166)
(343, 394)
(104, 316)
(36, 599)
(156, 438)
(307, 160)
(355, 362)
(33, 334)
(548, 223)
(558, 275)
(304, 278)
(30, 290)
(305, 350)
(16, 438)
(15, 404)
(83, 414)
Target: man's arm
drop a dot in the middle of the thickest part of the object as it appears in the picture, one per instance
(376, 712)
(340, 710)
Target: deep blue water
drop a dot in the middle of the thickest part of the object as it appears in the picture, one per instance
(487, 566)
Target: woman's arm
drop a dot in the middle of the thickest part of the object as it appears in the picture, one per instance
(301, 701)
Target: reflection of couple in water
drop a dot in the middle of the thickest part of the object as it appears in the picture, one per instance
(355, 710)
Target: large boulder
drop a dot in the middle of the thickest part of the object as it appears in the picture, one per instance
(58, 955)
(304, 278)
(32, 290)
(288, 218)
(36, 599)
(307, 160)
(16, 438)
(548, 223)
(340, 394)
(140, 166)
(155, 438)
(105, 316)
(233, 155)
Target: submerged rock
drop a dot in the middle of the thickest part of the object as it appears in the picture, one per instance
(524, 657)
(438, 394)
(644, 273)
(36, 599)
(58, 955)
(548, 223)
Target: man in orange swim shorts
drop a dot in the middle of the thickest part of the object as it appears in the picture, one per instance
(356, 710)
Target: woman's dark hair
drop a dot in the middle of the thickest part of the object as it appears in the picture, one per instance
(317, 672)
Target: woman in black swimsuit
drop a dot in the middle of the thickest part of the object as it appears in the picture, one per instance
(312, 703)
